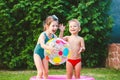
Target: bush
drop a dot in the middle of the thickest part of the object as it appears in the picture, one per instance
(21, 23)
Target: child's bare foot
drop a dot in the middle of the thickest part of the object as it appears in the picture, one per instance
(45, 77)
(38, 78)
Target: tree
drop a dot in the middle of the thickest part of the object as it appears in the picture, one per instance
(21, 23)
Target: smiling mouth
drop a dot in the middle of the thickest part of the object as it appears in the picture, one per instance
(72, 30)
(53, 31)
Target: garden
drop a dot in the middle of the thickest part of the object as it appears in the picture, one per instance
(21, 22)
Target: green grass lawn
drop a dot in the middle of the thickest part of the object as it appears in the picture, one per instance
(97, 73)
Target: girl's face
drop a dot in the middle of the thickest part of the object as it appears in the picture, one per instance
(53, 27)
(74, 28)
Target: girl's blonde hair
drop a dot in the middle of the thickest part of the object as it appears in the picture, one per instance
(49, 20)
(75, 20)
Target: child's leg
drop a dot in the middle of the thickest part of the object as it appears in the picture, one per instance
(69, 70)
(39, 65)
(77, 70)
(45, 70)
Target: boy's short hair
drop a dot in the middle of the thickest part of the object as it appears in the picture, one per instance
(75, 20)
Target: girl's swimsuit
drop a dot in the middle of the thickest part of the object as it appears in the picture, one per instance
(39, 50)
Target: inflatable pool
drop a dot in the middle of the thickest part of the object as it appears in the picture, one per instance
(63, 77)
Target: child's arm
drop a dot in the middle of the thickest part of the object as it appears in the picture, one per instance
(62, 28)
(82, 48)
(41, 41)
(65, 38)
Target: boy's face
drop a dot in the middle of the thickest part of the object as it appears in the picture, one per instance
(53, 27)
(74, 28)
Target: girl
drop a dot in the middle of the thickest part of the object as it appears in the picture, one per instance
(50, 27)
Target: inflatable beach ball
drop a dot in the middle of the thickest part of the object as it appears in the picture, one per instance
(59, 56)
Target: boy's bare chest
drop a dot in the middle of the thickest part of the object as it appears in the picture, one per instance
(74, 42)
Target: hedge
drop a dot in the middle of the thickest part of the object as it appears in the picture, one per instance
(21, 22)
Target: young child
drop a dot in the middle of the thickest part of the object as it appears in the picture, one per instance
(50, 27)
(77, 46)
